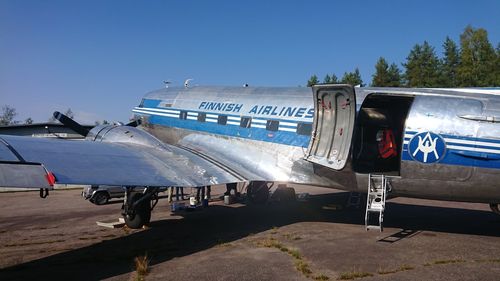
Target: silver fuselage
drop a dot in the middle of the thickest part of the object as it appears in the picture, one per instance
(264, 134)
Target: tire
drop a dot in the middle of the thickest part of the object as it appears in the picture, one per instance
(100, 198)
(142, 214)
(258, 192)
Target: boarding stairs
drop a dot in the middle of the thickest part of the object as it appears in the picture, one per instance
(378, 186)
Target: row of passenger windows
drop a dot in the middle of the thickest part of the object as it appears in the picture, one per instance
(246, 122)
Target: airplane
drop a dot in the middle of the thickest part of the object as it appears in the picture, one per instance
(431, 143)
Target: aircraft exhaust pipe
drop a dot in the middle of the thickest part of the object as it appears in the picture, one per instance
(70, 123)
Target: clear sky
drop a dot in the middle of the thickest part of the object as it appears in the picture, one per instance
(98, 57)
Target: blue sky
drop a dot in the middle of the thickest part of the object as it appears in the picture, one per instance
(99, 57)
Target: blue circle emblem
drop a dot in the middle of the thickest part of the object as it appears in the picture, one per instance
(427, 147)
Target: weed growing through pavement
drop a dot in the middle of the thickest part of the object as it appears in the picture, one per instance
(354, 274)
(141, 267)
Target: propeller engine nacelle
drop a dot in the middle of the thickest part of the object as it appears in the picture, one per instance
(112, 133)
(122, 134)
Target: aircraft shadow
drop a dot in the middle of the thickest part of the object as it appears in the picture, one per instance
(201, 230)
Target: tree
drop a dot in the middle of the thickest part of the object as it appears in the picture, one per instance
(312, 81)
(477, 59)
(326, 80)
(7, 116)
(330, 79)
(386, 76)
(422, 67)
(395, 79)
(449, 64)
(353, 78)
(28, 121)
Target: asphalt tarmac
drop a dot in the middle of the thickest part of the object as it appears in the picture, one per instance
(57, 238)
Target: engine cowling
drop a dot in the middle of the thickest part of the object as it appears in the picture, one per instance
(123, 134)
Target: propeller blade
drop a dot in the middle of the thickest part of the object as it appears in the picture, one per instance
(71, 123)
(134, 123)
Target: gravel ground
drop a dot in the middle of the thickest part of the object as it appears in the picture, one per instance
(58, 238)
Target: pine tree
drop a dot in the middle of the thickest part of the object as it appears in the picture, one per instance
(477, 59)
(450, 64)
(352, 78)
(334, 79)
(422, 67)
(381, 76)
(312, 81)
(394, 76)
(327, 79)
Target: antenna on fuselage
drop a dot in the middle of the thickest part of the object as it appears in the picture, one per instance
(186, 83)
(167, 82)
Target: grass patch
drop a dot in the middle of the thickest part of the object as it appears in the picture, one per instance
(321, 277)
(448, 261)
(353, 275)
(141, 267)
(274, 230)
(223, 245)
(295, 254)
(300, 264)
(401, 268)
(303, 267)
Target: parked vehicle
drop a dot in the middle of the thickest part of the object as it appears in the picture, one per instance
(101, 194)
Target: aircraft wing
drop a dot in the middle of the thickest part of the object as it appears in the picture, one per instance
(24, 162)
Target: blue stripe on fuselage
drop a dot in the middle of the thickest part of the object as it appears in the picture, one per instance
(259, 134)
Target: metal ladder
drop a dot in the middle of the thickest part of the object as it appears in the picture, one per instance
(375, 202)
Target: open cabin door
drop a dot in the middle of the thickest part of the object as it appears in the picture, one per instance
(333, 125)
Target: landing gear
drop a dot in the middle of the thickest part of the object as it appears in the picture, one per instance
(494, 208)
(258, 191)
(137, 207)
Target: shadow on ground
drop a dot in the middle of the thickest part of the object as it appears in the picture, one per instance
(201, 230)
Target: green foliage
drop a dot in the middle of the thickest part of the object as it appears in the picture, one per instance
(478, 60)
(330, 79)
(312, 81)
(352, 78)
(7, 116)
(422, 67)
(326, 80)
(475, 63)
(450, 64)
(385, 75)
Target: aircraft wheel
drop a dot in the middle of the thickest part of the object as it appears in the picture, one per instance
(494, 208)
(141, 215)
(258, 192)
(100, 198)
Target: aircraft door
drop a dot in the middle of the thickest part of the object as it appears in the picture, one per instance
(333, 125)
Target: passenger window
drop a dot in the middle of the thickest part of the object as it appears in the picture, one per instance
(304, 129)
(272, 125)
(201, 117)
(246, 122)
(222, 120)
(183, 115)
